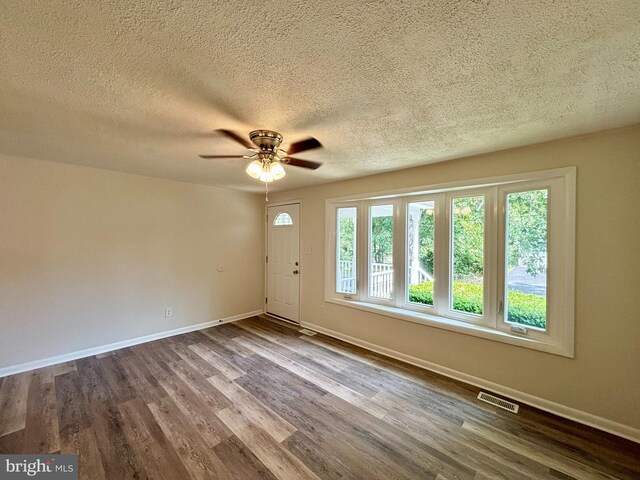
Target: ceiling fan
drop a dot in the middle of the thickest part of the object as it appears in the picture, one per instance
(267, 155)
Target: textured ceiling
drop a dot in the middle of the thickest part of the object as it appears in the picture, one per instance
(138, 86)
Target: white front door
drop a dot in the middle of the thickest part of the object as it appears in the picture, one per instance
(283, 261)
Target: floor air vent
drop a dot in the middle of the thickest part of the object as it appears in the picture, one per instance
(498, 402)
(311, 333)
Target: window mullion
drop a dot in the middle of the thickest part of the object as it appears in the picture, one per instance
(501, 250)
(399, 247)
(363, 251)
(491, 256)
(441, 254)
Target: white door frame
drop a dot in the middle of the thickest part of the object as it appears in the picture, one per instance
(266, 250)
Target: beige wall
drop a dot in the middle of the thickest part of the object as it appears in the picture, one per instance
(604, 378)
(90, 257)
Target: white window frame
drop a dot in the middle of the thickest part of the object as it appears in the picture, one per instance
(358, 261)
(488, 307)
(397, 238)
(556, 276)
(559, 336)
(438, 202)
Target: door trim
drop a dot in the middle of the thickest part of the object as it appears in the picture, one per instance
(265, 251)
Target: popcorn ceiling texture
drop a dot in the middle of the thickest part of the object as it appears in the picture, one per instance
(138, 86)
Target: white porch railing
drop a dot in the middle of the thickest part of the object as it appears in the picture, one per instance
(423, 275)
(380, 281)
(347, 277)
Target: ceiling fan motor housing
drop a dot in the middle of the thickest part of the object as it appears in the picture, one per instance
(266, 140)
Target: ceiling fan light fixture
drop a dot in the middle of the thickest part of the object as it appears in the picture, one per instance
(254, 169)
(266, 177)
(265, 171)
(277, 170)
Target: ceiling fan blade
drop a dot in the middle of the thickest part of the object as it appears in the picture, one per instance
(234, 136)
(304, 145)
(221, 156)
(297, 162)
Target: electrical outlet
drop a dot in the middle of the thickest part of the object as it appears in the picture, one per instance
(168, 312)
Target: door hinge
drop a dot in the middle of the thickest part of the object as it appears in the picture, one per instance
(500, 306)
(266, 259)
(265, 299)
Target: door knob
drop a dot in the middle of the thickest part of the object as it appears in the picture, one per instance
(296, 272)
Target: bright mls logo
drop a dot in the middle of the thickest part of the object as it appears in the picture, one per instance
(50, 467)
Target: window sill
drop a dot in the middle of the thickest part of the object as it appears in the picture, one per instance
(458, 326)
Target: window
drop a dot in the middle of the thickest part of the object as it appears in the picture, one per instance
(381, 251)
(467, 258)
(420, 252)
(525, 302)
(346, 250)
(492, 258)
(283, 218)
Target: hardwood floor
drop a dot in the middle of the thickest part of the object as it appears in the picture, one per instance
(257, 400)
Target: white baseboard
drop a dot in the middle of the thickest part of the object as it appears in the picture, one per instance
(579, 416)
(67, 357)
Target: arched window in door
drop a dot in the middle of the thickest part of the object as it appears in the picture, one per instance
(283, 218)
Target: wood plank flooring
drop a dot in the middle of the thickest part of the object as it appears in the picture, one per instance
(257, 400)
